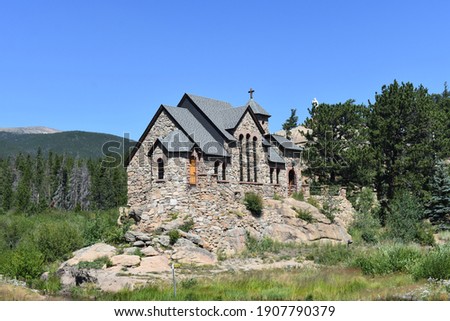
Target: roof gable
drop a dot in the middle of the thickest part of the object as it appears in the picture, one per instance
(257, 108)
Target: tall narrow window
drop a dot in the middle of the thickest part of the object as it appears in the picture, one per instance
(224, 171)
(241, 159)
(271, 175)
(216, 168)
(278, 176)
(160, 168)
(193, 171)
(247, 150)
(255, 164)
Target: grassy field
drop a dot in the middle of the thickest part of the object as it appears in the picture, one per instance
(272, 285)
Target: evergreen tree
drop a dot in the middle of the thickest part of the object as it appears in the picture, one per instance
(402, 135)
(290, 123)
(338, 150)
(438, 208)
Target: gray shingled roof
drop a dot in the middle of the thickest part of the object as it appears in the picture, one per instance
(217, 111)
(229, 118)
(196, 131)
(257, 108)
(286, 143)
(265, 142)
(205, 102)
(274, 156)
(177, 141)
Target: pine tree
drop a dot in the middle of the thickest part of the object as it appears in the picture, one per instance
(290, 123)
(401, 134)
(438, 208)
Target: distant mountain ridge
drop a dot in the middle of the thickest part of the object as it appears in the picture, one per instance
(74, 143)
(30, 130)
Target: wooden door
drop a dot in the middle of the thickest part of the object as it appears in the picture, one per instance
(193, 171)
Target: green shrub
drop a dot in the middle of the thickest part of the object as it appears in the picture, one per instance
(26, 262)
(102, 227)
(304, 215)
(388, 259)
(254, 203)
(425, 234)
(277, 197)
(314, 202)
(174, 236)
(262, 246)
(96, 264)
(329, 207)
(329, 254)
(55, 240)
(436, 264)
(366, 225)
(403, 221)
(187, 226)
(298, 196)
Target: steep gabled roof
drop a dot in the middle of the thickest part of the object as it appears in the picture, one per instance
(196, 131)
(257, 108)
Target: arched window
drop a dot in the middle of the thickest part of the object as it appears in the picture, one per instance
(271, 175)
(160, 168)
(278, 176)
(255, 164)
(241, 159)
(224, 168)
(247, 152)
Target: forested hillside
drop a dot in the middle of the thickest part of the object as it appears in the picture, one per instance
(73, 143)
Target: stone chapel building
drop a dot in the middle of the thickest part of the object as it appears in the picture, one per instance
(204, 154)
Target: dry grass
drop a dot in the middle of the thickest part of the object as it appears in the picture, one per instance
(9, 292)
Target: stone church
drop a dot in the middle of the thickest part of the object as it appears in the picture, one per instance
(204, 154)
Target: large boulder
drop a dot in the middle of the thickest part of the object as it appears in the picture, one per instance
(126, 260)
(236, 239)
(153, 264)
(194, 255)
(91, 253)
(149, 251)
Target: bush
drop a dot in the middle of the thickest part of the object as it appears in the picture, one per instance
(25, 263)
(436, 264)
(187, 226)
(314, 202)
(174, 236)
(254, 203)
(329, 254)
(102, 227)
(262, 246)
(388, 259)
(304, 215)
(277, 197)
(366, 224)
(55, 240)
(96, 264)
(403, 222)
(298, 196)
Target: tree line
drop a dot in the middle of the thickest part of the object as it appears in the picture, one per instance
(34, 183)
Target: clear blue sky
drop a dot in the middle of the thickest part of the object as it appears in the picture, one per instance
(106, 66)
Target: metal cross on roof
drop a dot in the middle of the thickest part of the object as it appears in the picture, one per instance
(251, 91)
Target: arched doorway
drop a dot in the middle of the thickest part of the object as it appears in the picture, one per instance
(193, 171)
(292, 181)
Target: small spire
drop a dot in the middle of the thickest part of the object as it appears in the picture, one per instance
(251, 91)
